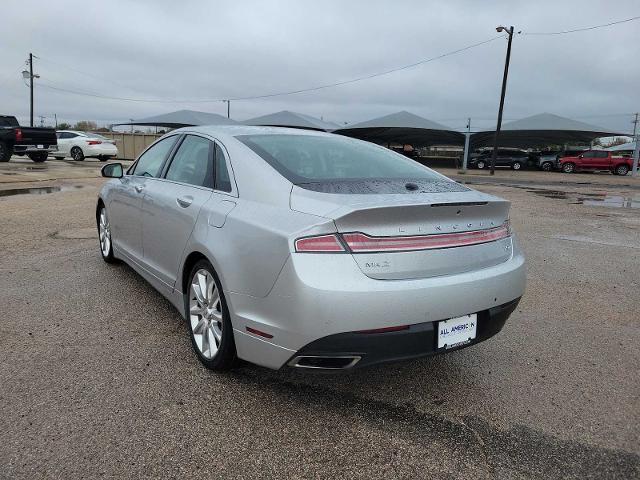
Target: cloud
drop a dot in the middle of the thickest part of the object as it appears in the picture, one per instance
(203, 50)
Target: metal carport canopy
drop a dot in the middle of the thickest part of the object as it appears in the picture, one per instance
(182, 118)
(540, 130)
(287, 118)
(404, 128)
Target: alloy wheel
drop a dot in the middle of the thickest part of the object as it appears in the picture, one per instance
(77, 154)
(205, 313)
(105, 233)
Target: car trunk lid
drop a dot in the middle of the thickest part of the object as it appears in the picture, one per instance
(415, 234)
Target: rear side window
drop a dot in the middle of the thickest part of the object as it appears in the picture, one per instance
(8, 122)
(308, 159)
(602, 154)
(192, 163)
(148, 165)
(223, 181)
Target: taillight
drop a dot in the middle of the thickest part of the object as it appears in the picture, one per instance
(94, 142)
(361, 243)
(18, 134)
(319, 244)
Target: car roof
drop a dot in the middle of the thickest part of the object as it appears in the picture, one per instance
(236, 130)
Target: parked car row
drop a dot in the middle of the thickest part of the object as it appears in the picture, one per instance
(567, 161)
(39, 143)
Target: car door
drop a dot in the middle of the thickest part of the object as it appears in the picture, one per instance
(124, 209)
(63, 142)
(602, 160)
(503, 158)
(589, 160)
(171, 206)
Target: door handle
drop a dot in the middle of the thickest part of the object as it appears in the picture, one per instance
(138, 188)
(185, 201)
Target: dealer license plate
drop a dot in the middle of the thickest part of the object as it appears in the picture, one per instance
(457, 331)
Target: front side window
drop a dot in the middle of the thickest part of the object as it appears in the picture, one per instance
(192, 162)
(223, 181)
(149, 164)
(308, 159)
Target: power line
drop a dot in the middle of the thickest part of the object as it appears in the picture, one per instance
(584, 29)
(277, 94)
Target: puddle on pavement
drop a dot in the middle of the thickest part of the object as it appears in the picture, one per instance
(613, 201)
(580, 198)
(37, 190)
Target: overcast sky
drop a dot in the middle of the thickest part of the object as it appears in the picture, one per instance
(193, 50)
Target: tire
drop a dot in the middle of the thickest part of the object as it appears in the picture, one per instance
(59, 158)
(104, 235)
(102, 158)
(77, 154)
(547, 166)
(38, 157)
(208, 313)
(569, 167)
(516, 165)
(481, 165)
(5, 152)
(621, 170)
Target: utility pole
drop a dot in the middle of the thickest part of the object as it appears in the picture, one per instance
(465, 154)
(504, 89)
(636, 150)
(31, 84)
(228, 108)
(55, 116)
(30, 75)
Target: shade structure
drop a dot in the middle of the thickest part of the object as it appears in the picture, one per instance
(404, 128)
(287, 118)
(625, 147)
(183, 118)
(540, 130)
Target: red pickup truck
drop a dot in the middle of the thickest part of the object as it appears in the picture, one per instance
(596, 160)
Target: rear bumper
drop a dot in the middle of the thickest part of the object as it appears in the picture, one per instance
(106, 150)
(23, 149)
(320, 296)
(418, 340)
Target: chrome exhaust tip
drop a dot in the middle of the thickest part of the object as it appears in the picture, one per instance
(340, 362)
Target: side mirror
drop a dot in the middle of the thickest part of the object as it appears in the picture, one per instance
(112, 170)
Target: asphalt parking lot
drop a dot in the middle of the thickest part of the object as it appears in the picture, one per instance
(97, 376)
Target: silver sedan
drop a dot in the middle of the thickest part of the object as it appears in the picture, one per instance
(294, 248)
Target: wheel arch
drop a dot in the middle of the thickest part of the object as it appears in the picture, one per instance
(99, 204)
(190, 260)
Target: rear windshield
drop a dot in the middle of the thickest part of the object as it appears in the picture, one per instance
(8, 122)
(311, 159)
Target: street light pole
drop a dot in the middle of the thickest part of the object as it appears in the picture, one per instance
(228, 108)
(504, 89)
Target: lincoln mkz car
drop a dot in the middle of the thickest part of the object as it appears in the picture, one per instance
(293, 248)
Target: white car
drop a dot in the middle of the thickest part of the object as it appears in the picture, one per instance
(81, 145)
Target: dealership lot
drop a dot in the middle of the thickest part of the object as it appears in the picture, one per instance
(98, 376)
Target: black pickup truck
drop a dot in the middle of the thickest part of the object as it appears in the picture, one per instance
(35, 142)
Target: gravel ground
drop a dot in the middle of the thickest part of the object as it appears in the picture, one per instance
(97, 376)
